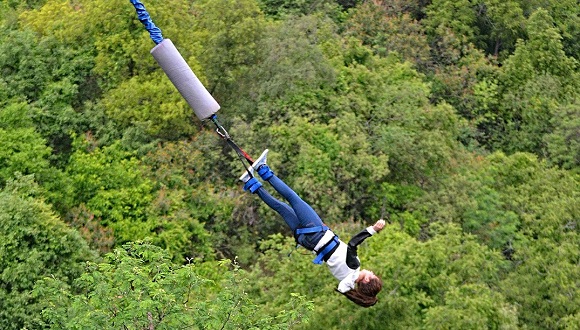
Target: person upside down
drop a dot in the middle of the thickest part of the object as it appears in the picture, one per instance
(360, 286)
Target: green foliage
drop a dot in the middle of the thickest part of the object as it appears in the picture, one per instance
(113, 186)
(368, 109)
(501, 25)
(111, 32)
(193, 194)
(34, 243)
(563, 144)
(229, 32)
(295, 270)
(52, 77)
(110, 181)
(294, 75)
(525, 210)
(493, 26)
(548, 205)
(22, 149)
(28, 4)
(283, 8)
(156, 107)
(456, 17)
(387, 32)
(471, 307)
(541, 54)
(566, 19)
(25, 66)
(472, 197)
(425, 278)
(138, 287)
(536, 80)
(320, 160)
(554, 271)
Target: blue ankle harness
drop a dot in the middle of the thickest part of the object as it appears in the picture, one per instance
(320, 255)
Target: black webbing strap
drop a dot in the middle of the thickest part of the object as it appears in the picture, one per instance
(239, 151)
(242, 155)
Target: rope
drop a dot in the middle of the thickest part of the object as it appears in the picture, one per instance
(143, 16)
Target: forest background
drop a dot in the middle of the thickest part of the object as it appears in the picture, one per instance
(457, 121)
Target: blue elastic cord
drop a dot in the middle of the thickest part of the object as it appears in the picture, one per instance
(144, 18)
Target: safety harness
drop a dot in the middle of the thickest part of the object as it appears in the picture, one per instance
(322, 253)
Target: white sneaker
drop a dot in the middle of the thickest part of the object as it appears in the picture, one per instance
(261, 160)
(257, 163)
(246, 176)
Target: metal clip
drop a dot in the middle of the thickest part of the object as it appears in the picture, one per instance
(220, 130)
(222, 135)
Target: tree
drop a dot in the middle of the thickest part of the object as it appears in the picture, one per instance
(472, 199)
(110, 32)
(229, 33)
(22, 149)
(565, 15)
(563, 144)
(138, 287)
(451, 17)
(93, 47)
(119, 191)
(52, 78)
(534, 81)
(390, 99)
(519, 206)
(386, 31)
(316, 156)
(546, 200)
(34, 243)
(111, 184)
(501, 25)
(155, 106)
(294, 75)
(282, 9)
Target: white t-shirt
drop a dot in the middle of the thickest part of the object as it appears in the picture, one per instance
(337, 262)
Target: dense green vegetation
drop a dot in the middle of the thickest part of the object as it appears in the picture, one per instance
(457, 121)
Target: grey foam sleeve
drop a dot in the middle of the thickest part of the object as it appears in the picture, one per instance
(183, 78)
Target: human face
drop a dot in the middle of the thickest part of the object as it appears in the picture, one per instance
(365, 276)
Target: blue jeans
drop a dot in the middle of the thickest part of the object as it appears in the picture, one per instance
(297, 215)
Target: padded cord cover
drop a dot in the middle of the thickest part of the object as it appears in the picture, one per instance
(183, 78)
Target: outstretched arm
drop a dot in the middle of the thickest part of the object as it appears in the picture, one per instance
(364, 234)
(351, 255)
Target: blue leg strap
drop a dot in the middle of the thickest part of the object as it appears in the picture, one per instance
(265, 172)
(252, 185)
(310, 230)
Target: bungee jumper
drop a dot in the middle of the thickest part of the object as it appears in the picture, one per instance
(360, 286)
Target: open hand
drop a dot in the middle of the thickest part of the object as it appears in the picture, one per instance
(379, 225)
